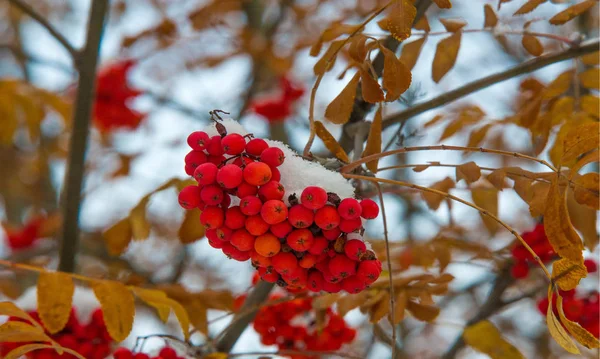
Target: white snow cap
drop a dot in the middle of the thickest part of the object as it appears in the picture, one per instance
(296, 172)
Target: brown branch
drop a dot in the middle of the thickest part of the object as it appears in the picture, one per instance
(42, 21)
(86, 66)
(526, 67)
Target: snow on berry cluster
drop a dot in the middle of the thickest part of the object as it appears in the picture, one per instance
(297, 234)
(91, 340)
(292, 325)
(539, 243)
(165, 353)
(582, 308)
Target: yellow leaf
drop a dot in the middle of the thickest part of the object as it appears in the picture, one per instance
(396, 76)
(157, 299)
(434, 200)
(484, 337)
(592, 156)
(118, 237)
(580, 334)
(24, 349)
(54, 297)
(374, 140)
(559, 85)
(118, 307)
(591, 59)
(445, 56)
(443, 4)
(423, 312)
(590, 78)
(330, 142)
(371, 91)
(567, 273)
(556, 329)
(325, 301)
(587, 190)
(410, 52)
(532, 45)
(216, 356)
(423, 24)
(491, 19)
(140, 227)
(537, 200)
(497, 178)
(529, 6)
(466, 115)
(400, 308)
(380, 309)
(453, 25)
(581, 140)
(339, 110)
(434, 121)
(487, 198)
(571, 12)
(562, 109)
(478, 135)
(349, 302)
(469, 171)
(584, 220)
(400, 19)
(590, 104)
(11, 310)
(14, 331)
(191, 230)
(326, 62)
(558, 227)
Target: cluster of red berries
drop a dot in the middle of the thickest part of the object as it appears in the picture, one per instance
(314, 244)
(278, 107)
(165, 353)
(23, 237)
(292, 325)
(538, 241)
(91, 340)
(111, 108)
(578, 307)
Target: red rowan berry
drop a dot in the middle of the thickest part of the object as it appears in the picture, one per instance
(267, 245)
(520, 253)
(327, 217)
(257, 173)
(212, 217)
(242, 161)
(167, 353)
(282, 229)
(214, 147)
(216, 243)
(198, 140)
(590, 265)
(233, 253)
(274, 211)
(520, 270)
(256, 146)
(272, 156)
(275, 174)
(259, 260)
(211, 234)
(189, 170)
(313, 197)
(542, 305)
(250, 205)
(349, 208)
(300, 216)
(315, 281)
(319, 245)
(224, 234)
(354, 248)
(353, 285)
(206, 173)
(350, 225)
(308, 261)
(331, 287)
(271, 190)
(573, 309)
(217, 160)
(300, 240)
(234, 218)
(284, 263)
(370, 209)
(268, 276)
(212, 195)
(328, 276)
(195, 158)
(189, 197)
(229, 176)
(332, 234)
(368, 271)
(342, 266)
(256, 225)
(141, 356)
(245, 189)
(233, 144)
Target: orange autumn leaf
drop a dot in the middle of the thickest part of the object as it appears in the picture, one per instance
(339, 110)
(396, 76)
(532, 45)
(529, 6)
(446, 53)
(572, 12)
(410, 52)
(371, 91)
(374, 140)
(399, 20)
(54, 297)
(330, 142)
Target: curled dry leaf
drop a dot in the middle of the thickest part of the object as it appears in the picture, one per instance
(330, 142)
(339, 110)
(423, 312)
(400, 18)
(374, 140)
(54, 299)
(580, 334)
(567, 273)
(572, 12)
(371, 91)
(446, 53)
(532, 45)
(484, 337)
(556, 329)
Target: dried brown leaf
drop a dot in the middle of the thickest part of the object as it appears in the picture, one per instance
(396, 76)
(374, 140)
(572, 12)
(453, 25)
(532, 45)
(371, 91)
(410, 52)
(587, 190)
(491, 19)
(469, 171)
(339, 110)
(330, 142)
(529, 6)
(434, 200)
(446, 53)
(400, 19)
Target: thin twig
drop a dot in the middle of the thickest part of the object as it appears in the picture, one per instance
(526, 67)
(44, 22)
(79, 136)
